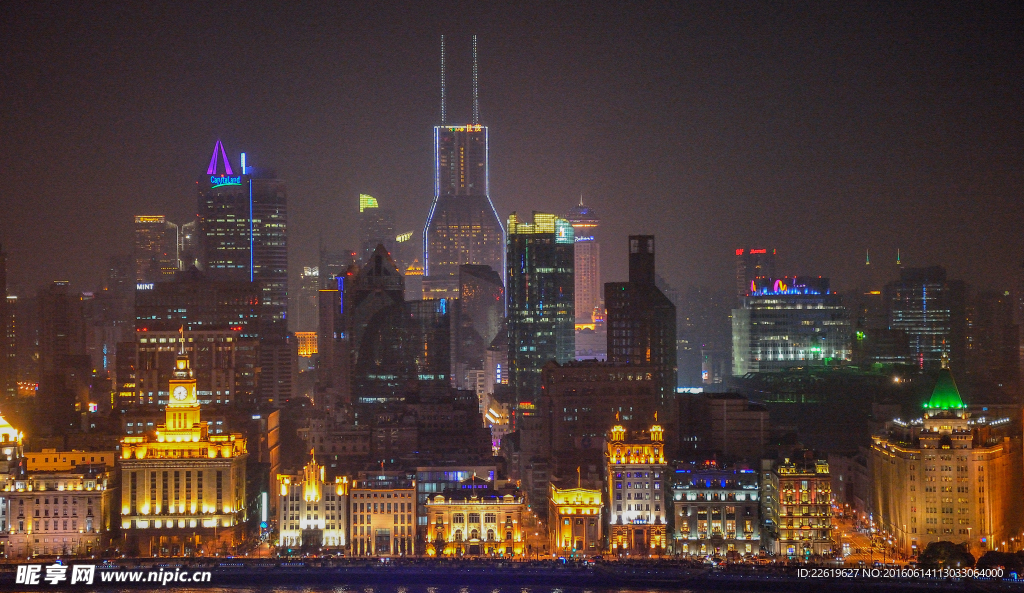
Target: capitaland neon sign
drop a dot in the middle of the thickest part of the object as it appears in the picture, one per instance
(216, 181)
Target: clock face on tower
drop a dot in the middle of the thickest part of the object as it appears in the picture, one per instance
(180, 393)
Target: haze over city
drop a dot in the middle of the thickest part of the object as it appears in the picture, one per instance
(824, 130)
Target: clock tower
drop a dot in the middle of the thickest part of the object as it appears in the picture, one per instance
(182, 405)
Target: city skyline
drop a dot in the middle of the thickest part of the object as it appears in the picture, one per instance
(711, 149)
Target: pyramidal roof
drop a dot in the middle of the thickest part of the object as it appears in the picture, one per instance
(945, 396)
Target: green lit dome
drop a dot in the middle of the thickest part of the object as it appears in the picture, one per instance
(945, 396)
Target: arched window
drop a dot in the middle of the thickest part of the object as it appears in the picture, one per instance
(490, 535)
(508, 536)
(474, 534)
(458, 535)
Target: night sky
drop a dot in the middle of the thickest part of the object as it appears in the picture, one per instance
(822, 129)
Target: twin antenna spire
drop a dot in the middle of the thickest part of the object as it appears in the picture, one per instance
(476, 86)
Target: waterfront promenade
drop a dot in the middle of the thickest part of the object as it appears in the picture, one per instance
(661, 575)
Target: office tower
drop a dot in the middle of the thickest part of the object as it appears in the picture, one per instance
(222, 319)
(64, 365)
(462, 227)
(580, 399)
(406, 253)
(334, 264)
(8, 335)
(477, 520)
(541, 316)
(752, 265)
(704, 344)
(638, 492)
(993, 339)
(269, 199)
(188, 245)
(306, 318)
(222, 364)
(918, 463)
(312, 511)
(197, 302)
(479, 313)
(716, 510)
(156, 249)
(224, 220)
(427, 337)
(371, 314)
(242, 224)
(414, 280)
(642, 322)
(789, 322)
(183, 493)
(376, 226)
(931, 311)
(796, 507)
(587, 261)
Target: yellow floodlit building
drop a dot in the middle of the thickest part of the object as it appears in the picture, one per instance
(476, 520)
(383, 515)
(182, 489)
(575, 524)
(636, 491)
(948, 476)
(312, 512)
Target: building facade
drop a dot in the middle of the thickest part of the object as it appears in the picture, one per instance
(474, 519)
(576, 521)
(312, 511)
(156, 249)
(932, 311)
(947, 476)
(183, 489)
(637, 492)
(641, 322)
(796, 508)
(716, 511)
(790, 322)
(540, 287)
(383, 516)
(62, 513)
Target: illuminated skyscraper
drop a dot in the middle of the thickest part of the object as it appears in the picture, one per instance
(541, 315)
(932, 311)
(462, 227)
(156, 249)
(376, 226)
(588, 262)
(789, 322)
(243, 226)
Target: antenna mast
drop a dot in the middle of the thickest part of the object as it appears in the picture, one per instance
(476, 87)
(443, 96)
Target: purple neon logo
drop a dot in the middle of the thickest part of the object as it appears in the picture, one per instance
(219, 148)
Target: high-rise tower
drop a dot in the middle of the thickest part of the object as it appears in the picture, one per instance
(243, 224)
(462, 227)
(588, 261)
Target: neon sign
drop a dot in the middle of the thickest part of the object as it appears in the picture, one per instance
(144, 286)
(219, 181)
